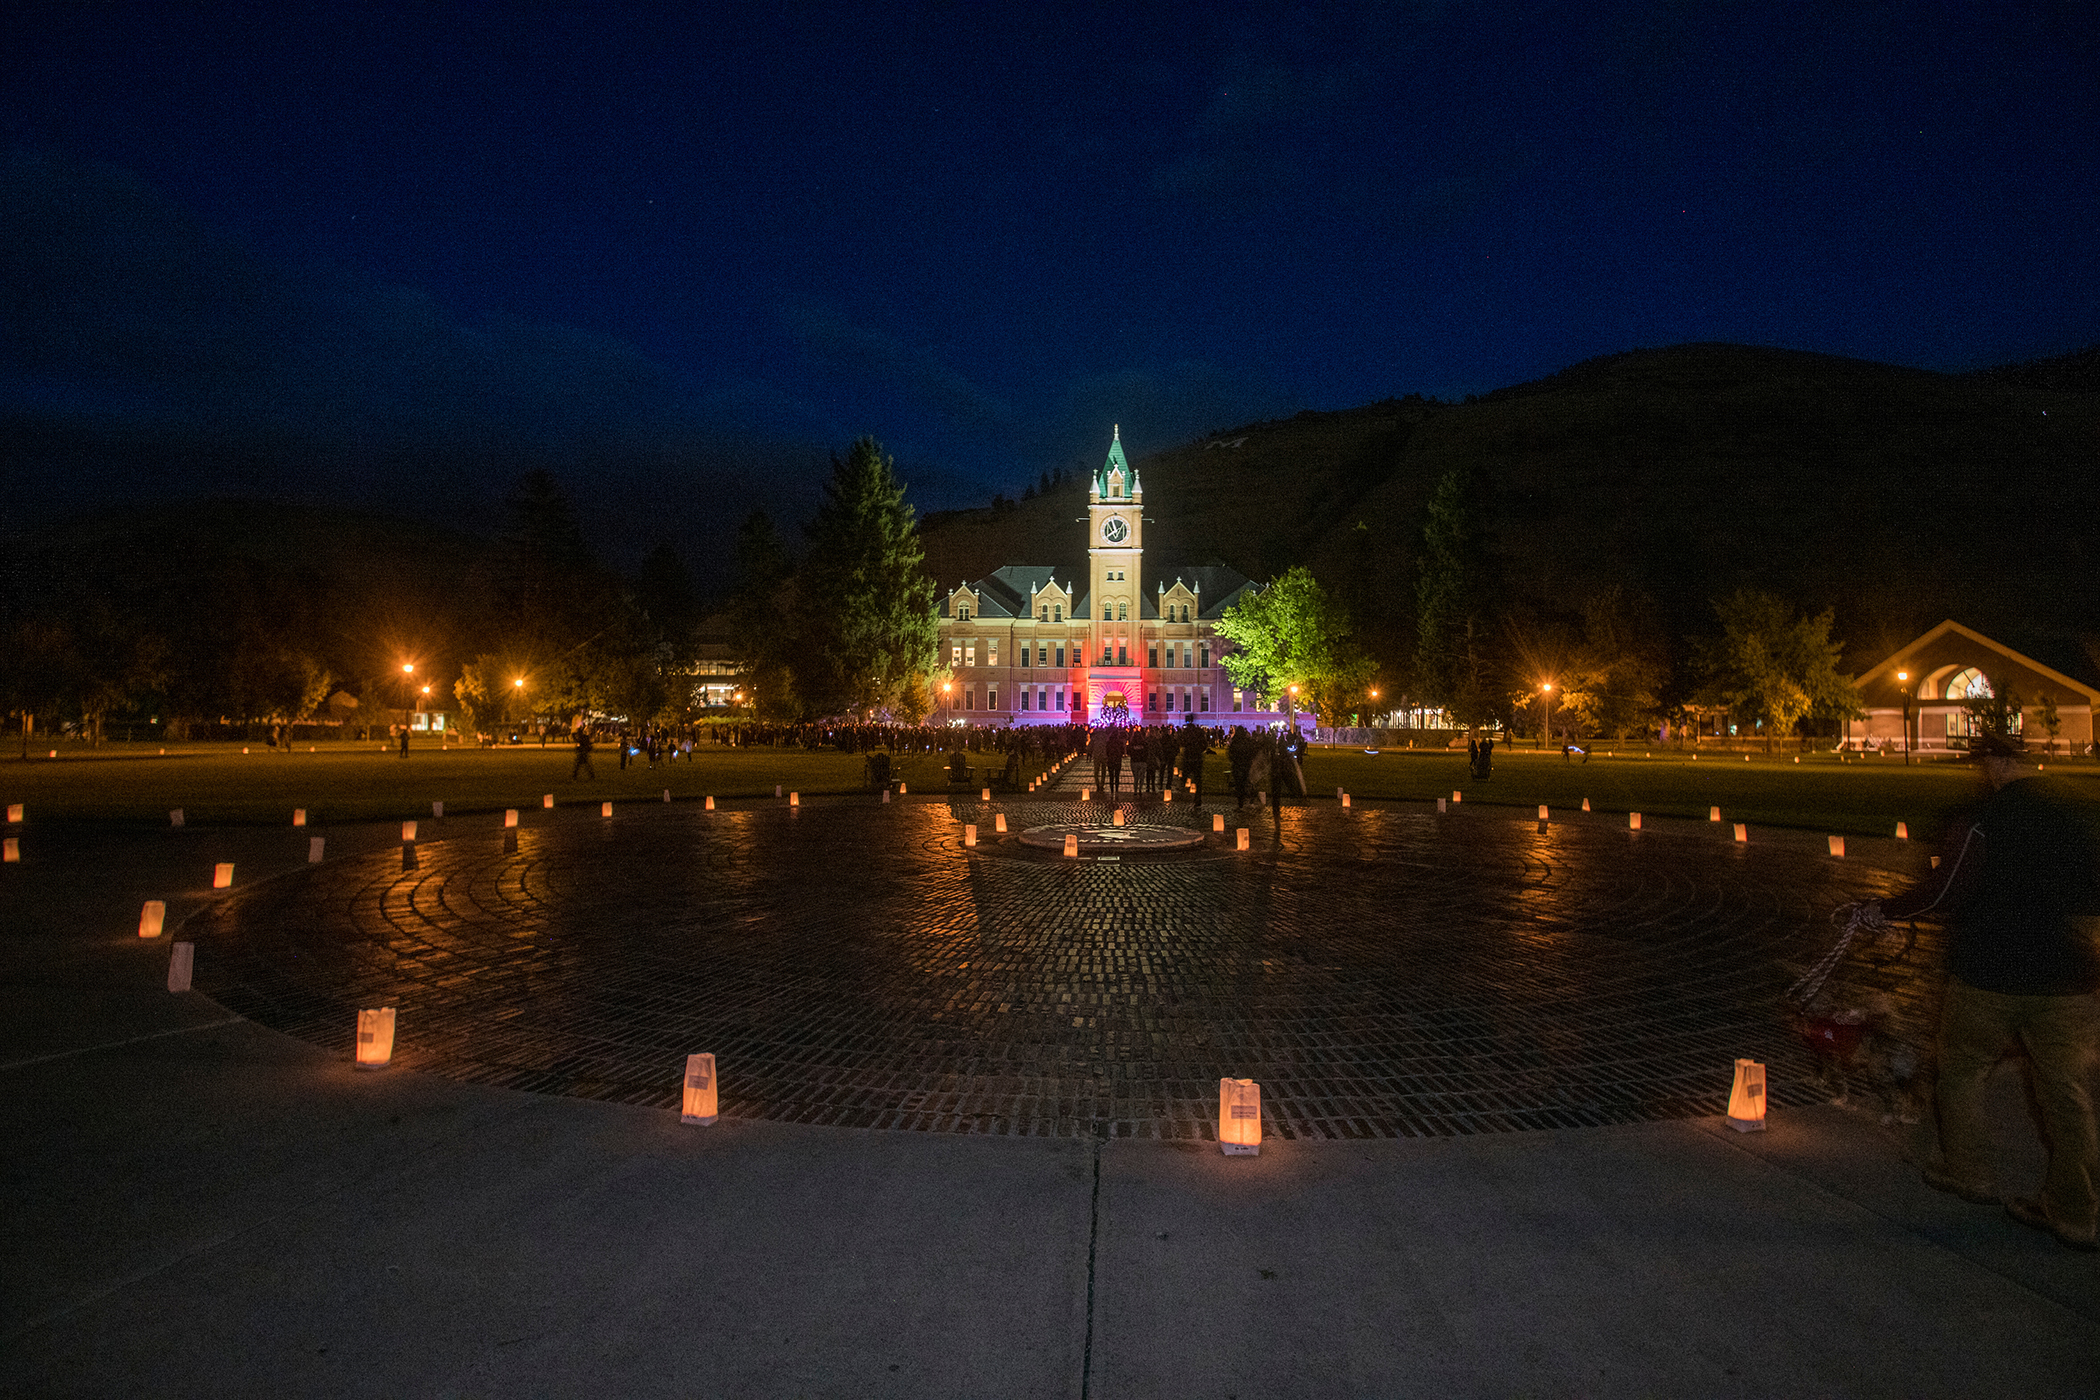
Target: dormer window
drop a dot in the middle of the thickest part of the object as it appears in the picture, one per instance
(1044, 615)
(1057, 612)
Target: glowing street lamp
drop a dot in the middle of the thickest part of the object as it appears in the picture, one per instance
(1545, 711)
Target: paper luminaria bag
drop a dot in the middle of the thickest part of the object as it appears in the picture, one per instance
(1746, 1101)
(1239, 1117)
(375, 1037)
(698, 1103)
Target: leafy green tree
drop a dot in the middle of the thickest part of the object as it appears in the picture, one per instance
(1454, 661)
(762, 615)
(2052, 723)
(489, 693)
(866, 623)
(1291, 632)
(1773, 664)
(1615, 679)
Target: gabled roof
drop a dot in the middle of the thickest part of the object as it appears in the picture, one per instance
(1883, 675)
(1005, 591)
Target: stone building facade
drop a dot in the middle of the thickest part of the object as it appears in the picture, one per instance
(1026, 647)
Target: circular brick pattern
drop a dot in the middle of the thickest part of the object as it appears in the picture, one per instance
(1112, 840)
(1379, 971)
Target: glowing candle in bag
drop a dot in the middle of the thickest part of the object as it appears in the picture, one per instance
(605, 809)
(1746, 1101)
(1071, 845)
(222, 875)
(547, 800)
(1742, 833)
(698, 1103)
(375, 1037)
(152, 918)
(999, 822)
(510, 816)
(1239, 1117)
(408, 831)
(1243, 838)
(1633, 821)
(298, 816)
(1837, 845)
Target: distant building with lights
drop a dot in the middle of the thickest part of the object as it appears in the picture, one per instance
(1026, 647)
(1932, 679)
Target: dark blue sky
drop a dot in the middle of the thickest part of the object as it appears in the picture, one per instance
(632, 239)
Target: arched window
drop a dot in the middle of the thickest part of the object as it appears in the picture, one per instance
(1968, 684)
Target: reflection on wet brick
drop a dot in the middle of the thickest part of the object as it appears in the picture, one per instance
(1381, 972)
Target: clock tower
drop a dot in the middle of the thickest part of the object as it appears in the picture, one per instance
(1115, 561)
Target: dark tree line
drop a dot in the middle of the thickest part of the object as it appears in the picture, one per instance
(1488, 652)
(262, 615)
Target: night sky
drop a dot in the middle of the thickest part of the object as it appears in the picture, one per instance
(695, 248)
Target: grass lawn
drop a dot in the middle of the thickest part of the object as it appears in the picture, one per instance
(1864, 796)
(218, 784)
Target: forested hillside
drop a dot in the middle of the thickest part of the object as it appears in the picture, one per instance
(1896, 497)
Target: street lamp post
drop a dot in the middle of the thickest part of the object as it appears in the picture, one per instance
(1904, 677)
(1545, 712)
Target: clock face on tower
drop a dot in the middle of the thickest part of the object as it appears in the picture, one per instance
(1115, 531)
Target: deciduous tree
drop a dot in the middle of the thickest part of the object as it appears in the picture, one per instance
(1291, 632)
(1774, 664)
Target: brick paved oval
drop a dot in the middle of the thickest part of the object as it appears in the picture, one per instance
(1381, 972)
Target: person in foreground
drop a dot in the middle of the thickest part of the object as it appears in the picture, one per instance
(2020, 891)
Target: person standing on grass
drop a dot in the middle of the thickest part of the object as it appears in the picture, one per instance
(404, 741)
(2020, 888)
(583, 755)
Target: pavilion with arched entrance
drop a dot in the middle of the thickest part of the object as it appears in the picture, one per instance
(1916, 698)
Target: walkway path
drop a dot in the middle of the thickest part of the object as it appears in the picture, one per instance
(202, 1205)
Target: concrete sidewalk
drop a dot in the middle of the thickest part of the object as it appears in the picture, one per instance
(199, 1206)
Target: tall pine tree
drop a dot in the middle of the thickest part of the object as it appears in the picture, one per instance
(867, 625)
(1452, 606)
